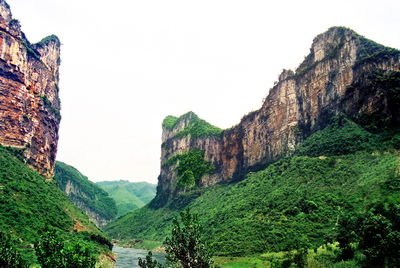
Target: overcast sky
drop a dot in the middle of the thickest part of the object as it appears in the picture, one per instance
(126, 65)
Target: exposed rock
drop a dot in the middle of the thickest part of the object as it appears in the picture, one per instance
(337, 76)
(29, 101)
(75, 193)
(86, 195)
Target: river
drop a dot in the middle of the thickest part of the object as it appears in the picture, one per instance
(128, 257)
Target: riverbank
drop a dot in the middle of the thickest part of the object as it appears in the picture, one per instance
(155, 246)
(128, 257)
(107, 260)
(325, 256)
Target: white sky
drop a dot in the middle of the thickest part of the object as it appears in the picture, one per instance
(126, 65)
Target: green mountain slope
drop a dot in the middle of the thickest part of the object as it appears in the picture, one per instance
(29, 203)
(86, 195)
(129, 196)
(341, 168)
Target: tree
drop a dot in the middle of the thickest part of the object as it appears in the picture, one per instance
(53, 253)
(299, 243)
(9, 255)
(48, 250)
(379, 242)
(376, 236)
(149, 262)
(348, 233)
(186, 248)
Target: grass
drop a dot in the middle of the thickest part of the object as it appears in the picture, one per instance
(323, 257)
(239, 262)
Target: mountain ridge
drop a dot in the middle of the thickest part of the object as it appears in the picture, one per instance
(344, 73)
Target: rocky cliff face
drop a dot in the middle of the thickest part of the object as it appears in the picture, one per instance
(75, 193)
(29, 101)
(86, 195)
(344, 73)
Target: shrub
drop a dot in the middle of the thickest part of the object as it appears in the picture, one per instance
(9, 255)
(53, 253)
(186, 248)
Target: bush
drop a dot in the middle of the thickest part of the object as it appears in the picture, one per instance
(9, 255)
(53, 253)
(186, 248)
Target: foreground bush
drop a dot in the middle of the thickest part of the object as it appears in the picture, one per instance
(186, 248)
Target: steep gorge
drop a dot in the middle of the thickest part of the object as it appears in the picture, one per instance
(344, 73)
(29, 100)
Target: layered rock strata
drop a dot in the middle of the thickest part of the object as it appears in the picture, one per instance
(29, 100)
(338, 76)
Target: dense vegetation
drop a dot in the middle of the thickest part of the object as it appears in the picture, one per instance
(191, 167)
(50, 251)
(129, 196)
(343, 137)
(29, 203)
(185, 246)
(197, 127)
(91, 195)
(297, 200)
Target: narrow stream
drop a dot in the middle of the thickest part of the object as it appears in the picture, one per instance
(128, 257)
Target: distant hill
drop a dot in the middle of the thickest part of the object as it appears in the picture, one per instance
(129, 196)
(86, 195)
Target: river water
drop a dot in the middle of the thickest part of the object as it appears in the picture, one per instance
(128, 257)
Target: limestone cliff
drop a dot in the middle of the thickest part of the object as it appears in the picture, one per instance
(29, 101)
(344, 73)
(78, 197)
(86, 195)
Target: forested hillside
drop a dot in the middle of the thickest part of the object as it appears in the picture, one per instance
(129, 196)
(85, 194)
(344, 168)
(31, 204)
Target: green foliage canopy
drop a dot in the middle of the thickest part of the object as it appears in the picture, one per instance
(196, 128)
(191, 167)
